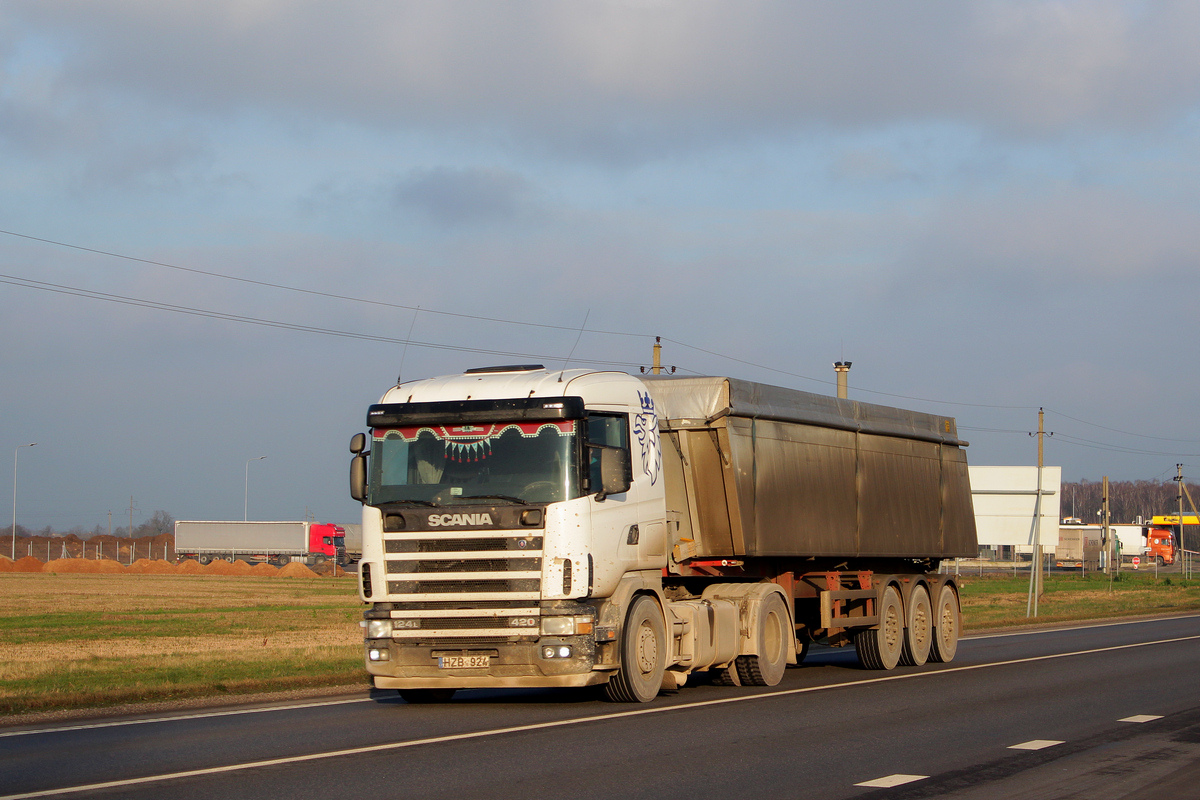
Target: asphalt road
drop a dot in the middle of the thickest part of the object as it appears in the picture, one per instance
(1098, 712)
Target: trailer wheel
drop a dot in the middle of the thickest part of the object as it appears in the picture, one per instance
(767, 668)
(918, 633)
(946, 624)
(420, 696)
(204, 559)
(643, 654)
(879, 648)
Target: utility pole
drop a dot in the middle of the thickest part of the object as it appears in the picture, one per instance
(1108, 543)
(1035, 569)
(131, 510)
(1179, 496)
(656, 367)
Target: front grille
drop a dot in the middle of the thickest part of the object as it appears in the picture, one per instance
(463, 566)
(471, 565)
(464, 586)
(483, 545)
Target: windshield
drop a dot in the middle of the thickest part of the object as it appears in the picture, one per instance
(525, 462)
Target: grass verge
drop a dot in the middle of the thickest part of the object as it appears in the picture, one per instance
(88, 640)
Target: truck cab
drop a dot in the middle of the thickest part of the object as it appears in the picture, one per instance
(1160, 545)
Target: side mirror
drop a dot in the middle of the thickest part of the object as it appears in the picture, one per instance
(358, 477)
(358, 443)
(614, 472)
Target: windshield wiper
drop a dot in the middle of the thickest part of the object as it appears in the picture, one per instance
(493, 497)
(419, 502)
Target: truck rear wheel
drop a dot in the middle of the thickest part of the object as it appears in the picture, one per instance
(946, 623)
(767, 668)
(918, 632)
(879, 648)
(643, 654)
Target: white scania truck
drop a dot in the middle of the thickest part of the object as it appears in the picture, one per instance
(523, 527)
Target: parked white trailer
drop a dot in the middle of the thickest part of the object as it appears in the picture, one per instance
(531, 528)
(273, 542)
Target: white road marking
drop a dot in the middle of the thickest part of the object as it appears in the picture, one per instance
(899, 779)
(199, 715)
(1141, 718)
(1035, 744)
(744, 698)
(1075, 627)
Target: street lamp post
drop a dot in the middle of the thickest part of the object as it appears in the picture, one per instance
(246, 505)
(14, 524)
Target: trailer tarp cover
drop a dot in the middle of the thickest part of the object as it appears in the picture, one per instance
(764, 471)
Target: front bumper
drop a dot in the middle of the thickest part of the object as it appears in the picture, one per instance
(511, 664)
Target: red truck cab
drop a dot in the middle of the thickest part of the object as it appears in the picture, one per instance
(328, 540)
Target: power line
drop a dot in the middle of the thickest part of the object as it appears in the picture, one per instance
(29, 283)
(199, 312)
(314, 292)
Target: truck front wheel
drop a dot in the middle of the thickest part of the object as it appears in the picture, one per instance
(879, 648)
(643, 654)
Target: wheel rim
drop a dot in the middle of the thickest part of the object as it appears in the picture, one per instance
(647, 649)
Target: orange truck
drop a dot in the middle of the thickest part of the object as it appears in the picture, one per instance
(1162, 536)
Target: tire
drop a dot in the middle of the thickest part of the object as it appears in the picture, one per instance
(947, 623)
(424, 696)
(643, 654)
(726, 676)
(879, 648)
(204, 560)
(774, 624)
(918, 630)
(802, 650)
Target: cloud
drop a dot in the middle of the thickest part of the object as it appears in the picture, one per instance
(458, 196)
(608, 76)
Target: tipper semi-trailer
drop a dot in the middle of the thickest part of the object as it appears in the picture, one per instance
(529, 528)
(257, 542)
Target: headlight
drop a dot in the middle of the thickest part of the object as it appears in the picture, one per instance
(379, 629)
(566, 626)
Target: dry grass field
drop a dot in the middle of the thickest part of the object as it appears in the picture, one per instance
(78, 640)
(97, 639)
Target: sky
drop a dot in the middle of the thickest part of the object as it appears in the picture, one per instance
(229, 226)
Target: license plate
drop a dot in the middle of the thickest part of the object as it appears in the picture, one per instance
(463, 662)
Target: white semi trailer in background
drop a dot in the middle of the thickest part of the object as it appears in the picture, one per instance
(531, 528)
(257, 542)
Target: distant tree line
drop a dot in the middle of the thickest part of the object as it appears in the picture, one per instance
(160, 522)
(1127, 500)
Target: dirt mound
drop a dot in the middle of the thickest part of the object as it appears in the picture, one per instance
(296, 570)
(190, 566)
(229, 568)
(26, 564)
(82, 565)
(146, 566)
(264, 569)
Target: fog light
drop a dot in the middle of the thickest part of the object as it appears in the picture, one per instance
(375, 654)
(547, 652)
(564, 651)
